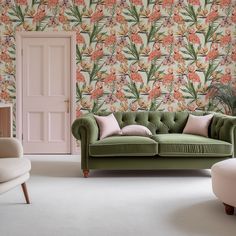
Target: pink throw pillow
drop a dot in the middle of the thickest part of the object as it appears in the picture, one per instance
(198, 125)
(108, 125)
(136, 130)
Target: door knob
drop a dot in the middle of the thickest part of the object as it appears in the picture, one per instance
(67, 105)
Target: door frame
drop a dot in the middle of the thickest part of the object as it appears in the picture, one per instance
(19, 78)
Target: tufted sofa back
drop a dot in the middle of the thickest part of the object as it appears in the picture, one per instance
(158, 122)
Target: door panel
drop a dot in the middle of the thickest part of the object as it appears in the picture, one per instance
(46, 90)
(56, 124)
(58, 73)
(35, 124)
(35, 71)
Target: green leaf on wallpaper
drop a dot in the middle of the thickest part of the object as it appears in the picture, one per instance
(12, 52)
(152, 71)
(95, 70)
(33, 2)
(75, 13)
(207, 2)
(97, 106)
(154, 105)
(190, 51)
(132, 88)
(12, 90)
(132, 50)
(189, 88)
(78, 55)
(78, 93)
(96, 30)
(152, 33)
(211, 68)
(190, 13)
(93, 2)
(18, 14)
(132, 12)
(149, 2)
(210, 32)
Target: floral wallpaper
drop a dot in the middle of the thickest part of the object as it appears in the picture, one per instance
(135, 54)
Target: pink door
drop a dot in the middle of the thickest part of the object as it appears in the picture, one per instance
(46, 94)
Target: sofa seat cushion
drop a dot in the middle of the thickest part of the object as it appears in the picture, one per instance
(11, 168)
(124, 146)
(191, 145)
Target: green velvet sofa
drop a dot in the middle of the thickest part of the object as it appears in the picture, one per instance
(167, 148)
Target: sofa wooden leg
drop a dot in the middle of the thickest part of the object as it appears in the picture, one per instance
(229, 210)
(24, 188)
(86, 173)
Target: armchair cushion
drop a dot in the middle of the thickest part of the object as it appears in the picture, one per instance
(11, 168)
(10, 147)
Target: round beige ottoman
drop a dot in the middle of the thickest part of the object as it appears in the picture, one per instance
(224, 183)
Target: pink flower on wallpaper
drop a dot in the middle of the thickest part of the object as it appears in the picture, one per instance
(213, 15)
(155, 92)
(192, 75)
(169, 77)
(167, 3)
(178, 95)
(226, 39)
(194, 2)
(213, 54)
(111, 39)
(98, 53)
(193, 37)
(40, 14)
(111, 77)
(21, 2)
(4, 18)
(79, 76)
(136, 38)
(109, 3)
(79, 38)
(98, 14)
(233, 17)
(177, 56)
(155, 15)
(224, 3)
(156, 53)
(80, 2)
(177, 17)
(226, 78)
(137, 2)
(96, 93)
(52, 3)
(168, 39)
(135, 75)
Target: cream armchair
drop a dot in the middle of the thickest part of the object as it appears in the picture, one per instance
(14, 169)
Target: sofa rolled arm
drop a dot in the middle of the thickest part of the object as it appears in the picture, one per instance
(10, 147)
(85, 127)
(223, 127)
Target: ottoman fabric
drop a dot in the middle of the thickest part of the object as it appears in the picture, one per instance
(224, 181)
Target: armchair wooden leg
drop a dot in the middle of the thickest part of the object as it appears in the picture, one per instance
(229, 210)
(86, 173)
(24, 188)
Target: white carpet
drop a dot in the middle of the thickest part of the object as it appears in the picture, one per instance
(110, 203)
